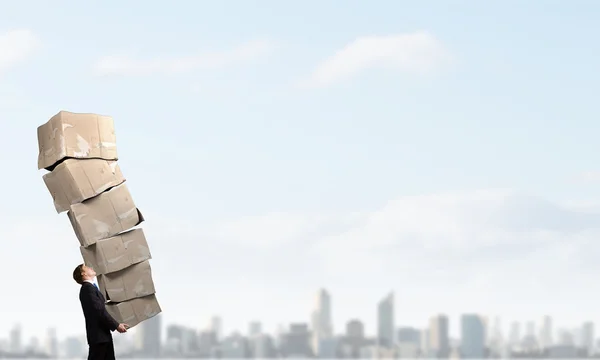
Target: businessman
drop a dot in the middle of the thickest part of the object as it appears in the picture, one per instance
(98, 322)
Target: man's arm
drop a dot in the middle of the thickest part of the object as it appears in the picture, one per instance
(93, 301)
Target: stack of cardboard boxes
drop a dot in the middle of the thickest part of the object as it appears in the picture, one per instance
(84, 179)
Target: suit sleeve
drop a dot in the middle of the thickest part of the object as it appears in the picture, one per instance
(97, 305)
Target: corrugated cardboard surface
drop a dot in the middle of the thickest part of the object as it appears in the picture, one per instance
(117, 253)
(104, 216)
(74, 181)
(133, 312)
(130, 283)
(75, 135)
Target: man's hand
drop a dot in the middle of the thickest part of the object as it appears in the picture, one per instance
(122, 328)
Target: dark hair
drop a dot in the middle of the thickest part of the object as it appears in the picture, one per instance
(78, 274)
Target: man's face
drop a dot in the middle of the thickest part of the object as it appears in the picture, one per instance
(88, 272)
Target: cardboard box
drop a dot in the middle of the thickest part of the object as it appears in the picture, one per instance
(74, 181)
(134, 311)
(104, 216)
(132, 282)
(74, 135)
(117, 253)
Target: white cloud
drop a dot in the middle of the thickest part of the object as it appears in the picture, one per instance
(588, 177)
(491, 227)
(16, 46)
(416, 233)
(127, 65)
(418, 52)
(470, 251)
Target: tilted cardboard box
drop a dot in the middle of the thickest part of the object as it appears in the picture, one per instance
(74, 135)
(117, 253)
(134, 311)
(133, 282)
(74, 181)
(104, 216)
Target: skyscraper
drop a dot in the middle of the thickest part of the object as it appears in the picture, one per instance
(215, 325)
(254, 328)
(515, 333)
(386, 322)
(495, 337)
(322, 327)
(296, 342)
(15, 339)
(355, 329)
(52, 343)
(322, 310)
(149, 337)
(530, 331)
(439, 338)
(472, 337)
(425, 348)
(545, 337)
(587, 337)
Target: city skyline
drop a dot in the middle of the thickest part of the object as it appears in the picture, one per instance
(481, 337)
(385, 311)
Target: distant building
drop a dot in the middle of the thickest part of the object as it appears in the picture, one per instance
(216, 325)
(545, 336)
(409, 335)
(207, 341)
(322, 326)
(562, 352)
(52, 343)
(33, 346)
(385, 322)
(355, 329)
(234, 346)
(16, 340)
(254, 328)
(472, 337)
(74, 347)
(181, 340)
(439, 338)
(148, 337)
(296, 343)
(587, 337)
(530, 329)
(514, 336)
(408, 350)
(565, 338)
(377, 352)
(408, 345)
(262, 347)
(328, 348)
(174, 343)
(425, 348)
(349, 345)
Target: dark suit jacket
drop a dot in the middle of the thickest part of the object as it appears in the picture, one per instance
(98, 322)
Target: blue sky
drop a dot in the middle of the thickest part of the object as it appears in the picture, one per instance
(256, 173)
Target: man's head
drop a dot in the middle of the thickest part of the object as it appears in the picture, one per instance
(82, 273)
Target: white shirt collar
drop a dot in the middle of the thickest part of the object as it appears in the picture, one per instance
(90, 281)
